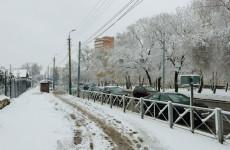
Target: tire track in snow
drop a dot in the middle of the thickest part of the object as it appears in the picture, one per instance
(122, 142)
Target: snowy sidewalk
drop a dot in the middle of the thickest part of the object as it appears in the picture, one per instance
(154, 134)
(30, 122)
(36, 121)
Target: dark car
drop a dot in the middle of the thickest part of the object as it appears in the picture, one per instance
(88, 85)
(95, 89)
(177, 98)
(115, 91)
(142, 91)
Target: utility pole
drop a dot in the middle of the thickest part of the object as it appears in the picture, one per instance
(163, 62)
(54, 73)
(78, 76)
(69, 43)
(70, 84)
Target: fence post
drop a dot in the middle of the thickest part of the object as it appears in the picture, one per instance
(219, 125)
(101, 98)
(170, 114)
(83, 95)
(110, 100)
(88, 94)
(15, 88)
(123, 99)
(192, 120)
(94, 96)
(10, 86)
(5, 83)
(142, 108)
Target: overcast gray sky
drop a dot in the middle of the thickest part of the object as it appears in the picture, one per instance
(36, 30)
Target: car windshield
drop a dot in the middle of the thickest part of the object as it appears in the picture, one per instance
(116, 90)
(178, 98)
(150, 89)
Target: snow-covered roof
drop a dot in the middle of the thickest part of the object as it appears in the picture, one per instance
(45, 81)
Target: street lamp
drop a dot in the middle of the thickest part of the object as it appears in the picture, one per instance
(69, 43)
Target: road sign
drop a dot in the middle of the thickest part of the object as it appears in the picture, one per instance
(185, 79)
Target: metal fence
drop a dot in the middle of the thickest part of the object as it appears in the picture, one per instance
(2, 89)
(201, 120)
(13, 87)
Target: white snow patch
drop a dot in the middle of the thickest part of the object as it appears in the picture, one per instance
(2, 97)
(30, 122)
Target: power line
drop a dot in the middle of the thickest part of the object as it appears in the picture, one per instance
(90, 13)
(118, 13)
(62, 60)
(97, 16)
(94, 15)
(85, 20)
(127, 11)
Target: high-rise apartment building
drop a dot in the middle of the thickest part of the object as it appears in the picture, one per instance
(105, 42)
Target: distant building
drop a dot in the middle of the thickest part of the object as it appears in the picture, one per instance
(105, 42)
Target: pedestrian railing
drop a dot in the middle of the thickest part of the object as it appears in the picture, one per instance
(216, 122)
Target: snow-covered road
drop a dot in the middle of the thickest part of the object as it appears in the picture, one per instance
(38, 120)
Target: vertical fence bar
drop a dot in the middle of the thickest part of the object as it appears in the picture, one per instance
(111, 101)
(15, 89)
(10, 85)
(192, 120)
(101, 98)
(142, 107)
(219, 125)
(94, 97)
(5, 83)
(170, 114)
(88, 94)
(123, 99)
(83, 95)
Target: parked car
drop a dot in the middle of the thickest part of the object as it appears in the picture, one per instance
(88, 85)
(96, 89)
(115, 91)
(177, 98)
(142, 91)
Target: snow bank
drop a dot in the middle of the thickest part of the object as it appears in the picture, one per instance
(32, 123)
(2, 97)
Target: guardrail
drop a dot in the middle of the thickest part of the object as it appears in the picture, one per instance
(216, 122)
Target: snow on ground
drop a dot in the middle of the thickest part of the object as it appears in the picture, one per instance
(30, 122)
(36, 121)
(205, 94)
(2, 97)
(154, 132)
